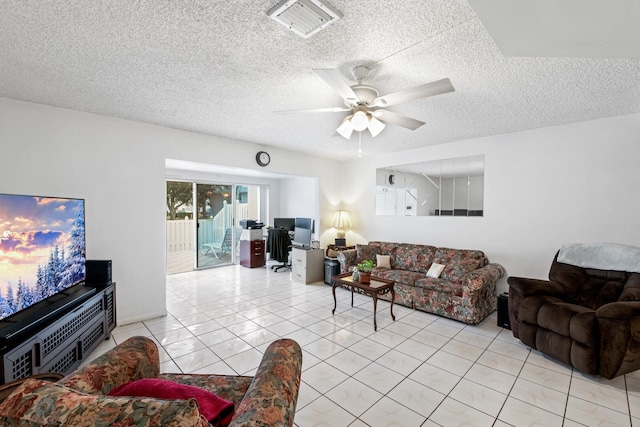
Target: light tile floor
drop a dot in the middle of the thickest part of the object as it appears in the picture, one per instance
(182, 261)
(421, 370)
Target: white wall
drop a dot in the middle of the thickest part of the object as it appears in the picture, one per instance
(542, 188)
(118, 166)
(300, 199)
(545, 187)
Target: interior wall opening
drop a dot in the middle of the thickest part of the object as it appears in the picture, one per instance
(203, 223)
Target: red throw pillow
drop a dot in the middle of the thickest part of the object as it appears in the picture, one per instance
(216, 410)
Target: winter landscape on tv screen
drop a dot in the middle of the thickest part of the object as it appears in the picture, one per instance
(42, 249)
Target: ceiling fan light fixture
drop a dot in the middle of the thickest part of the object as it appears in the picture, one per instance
(363, 101)
(346, 128)
(304, 17)
(375, 126)
(360, 121)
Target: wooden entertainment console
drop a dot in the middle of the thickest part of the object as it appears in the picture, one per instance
(64, 341)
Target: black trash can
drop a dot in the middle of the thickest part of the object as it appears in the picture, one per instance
(331, 268)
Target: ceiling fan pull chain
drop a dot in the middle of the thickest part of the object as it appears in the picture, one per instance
(360, 144)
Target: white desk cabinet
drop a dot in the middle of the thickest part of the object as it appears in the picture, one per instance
(307, 265)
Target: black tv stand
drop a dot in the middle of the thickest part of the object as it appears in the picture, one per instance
(12, 329)
(56, 334)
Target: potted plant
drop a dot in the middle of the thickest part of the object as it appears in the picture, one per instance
(364, 270)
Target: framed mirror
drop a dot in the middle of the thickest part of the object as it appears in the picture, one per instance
(445, 187)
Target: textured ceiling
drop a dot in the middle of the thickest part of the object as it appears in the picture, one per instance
(223, 67)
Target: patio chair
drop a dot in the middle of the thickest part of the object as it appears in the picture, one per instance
(218, 248)
(222, 247)
(227, 245)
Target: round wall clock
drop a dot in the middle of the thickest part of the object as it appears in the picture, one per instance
(263, 158)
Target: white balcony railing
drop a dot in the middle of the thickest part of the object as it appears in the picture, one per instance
(180, 233)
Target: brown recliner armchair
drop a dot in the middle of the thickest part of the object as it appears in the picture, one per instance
(585, 317)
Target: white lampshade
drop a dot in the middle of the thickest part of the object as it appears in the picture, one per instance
(341, 222)
(360, 121)
(375, 126)
(346, 128)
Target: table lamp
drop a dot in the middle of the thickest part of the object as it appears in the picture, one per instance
(341, 222)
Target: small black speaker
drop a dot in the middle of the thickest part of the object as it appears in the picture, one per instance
(98, 272)
(503, 311)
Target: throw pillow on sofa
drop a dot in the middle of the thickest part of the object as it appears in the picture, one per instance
(42, 403)
(435, 270)
(215, 409)
(383, 261)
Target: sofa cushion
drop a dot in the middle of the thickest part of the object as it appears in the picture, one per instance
(216, 410)
(596, 293)
(365, 252)
(455, 270)
(412, 257)
(400, 276)
(228, 387)
(447, 255)
(570, 320)
(439, 285)
(568, 276)
(631, 291)
(588, 286)
(582, 329)
(458, 262)
(530, 307)
(39, 403)
(386, 248)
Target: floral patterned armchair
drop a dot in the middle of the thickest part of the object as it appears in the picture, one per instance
(268, 399)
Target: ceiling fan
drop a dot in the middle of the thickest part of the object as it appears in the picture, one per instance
(365, 105)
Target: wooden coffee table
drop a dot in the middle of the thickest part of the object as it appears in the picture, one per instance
(376, 286)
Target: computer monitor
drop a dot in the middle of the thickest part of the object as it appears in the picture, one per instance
(302, 237)
(304, 223)
(288, 224)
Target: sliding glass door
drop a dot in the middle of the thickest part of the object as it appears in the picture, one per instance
(216, 235)
(180, 226)
(203, 223)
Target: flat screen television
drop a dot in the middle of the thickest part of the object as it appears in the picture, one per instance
(42, 249)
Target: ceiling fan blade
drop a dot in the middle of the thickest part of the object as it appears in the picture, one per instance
(397, 119)
(332, 78)
(422, 91)
(315, 110)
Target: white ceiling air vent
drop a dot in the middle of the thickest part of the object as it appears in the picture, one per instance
(304, 17)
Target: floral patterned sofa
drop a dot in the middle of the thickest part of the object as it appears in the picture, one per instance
(464, 291)
(80, 399)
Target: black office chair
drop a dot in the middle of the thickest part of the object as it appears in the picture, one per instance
(279, 246)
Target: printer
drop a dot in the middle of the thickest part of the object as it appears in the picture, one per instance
(250, 224)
